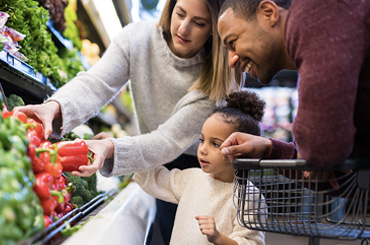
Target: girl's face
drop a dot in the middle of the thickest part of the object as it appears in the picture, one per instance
(214, 132)
(191, 26)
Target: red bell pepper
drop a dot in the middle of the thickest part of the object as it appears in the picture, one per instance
(45, 158)
(73, 154)
(47, 221)
(52, 161)
(48, 205)
(69, 207)
(55, 167)
(37, 164)
(65, 189)
(33, 138)
(72, 148)
(20, 115)
(72, 163)
(44, 187)
(33, 126)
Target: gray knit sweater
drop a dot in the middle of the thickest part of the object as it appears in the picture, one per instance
(169, 117)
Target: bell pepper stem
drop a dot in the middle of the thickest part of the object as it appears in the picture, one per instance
(90, 158)
(58, 194)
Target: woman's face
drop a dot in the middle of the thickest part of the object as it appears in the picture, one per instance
(214, 132)
(191, 26)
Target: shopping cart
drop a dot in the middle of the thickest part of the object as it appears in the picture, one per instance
(285, 201)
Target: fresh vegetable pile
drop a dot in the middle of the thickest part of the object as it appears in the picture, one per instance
(34, 191)
(20, 212)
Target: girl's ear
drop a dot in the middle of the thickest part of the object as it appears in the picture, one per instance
(269, 11)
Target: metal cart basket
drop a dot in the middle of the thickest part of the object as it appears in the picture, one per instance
(286, 199)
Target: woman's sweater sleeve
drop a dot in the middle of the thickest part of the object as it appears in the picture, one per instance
(83, 96)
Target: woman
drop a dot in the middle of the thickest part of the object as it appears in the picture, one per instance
(178, 71)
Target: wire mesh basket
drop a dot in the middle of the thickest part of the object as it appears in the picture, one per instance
(275, 196)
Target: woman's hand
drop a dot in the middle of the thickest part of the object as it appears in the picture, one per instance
(238, 144)
(102, 135)
(42, 113)
(101, 150)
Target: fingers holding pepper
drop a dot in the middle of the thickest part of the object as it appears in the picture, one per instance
(101, 150)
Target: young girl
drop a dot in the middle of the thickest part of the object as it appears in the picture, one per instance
(177, 69)
(204, 196)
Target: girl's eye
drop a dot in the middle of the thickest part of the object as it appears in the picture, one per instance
(201, 140)
(217, 145)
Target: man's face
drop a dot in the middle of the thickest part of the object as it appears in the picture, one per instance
(253, 45)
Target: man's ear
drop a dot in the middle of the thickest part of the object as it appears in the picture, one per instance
(269, 11)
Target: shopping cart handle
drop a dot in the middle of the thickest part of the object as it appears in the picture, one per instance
(300, 164)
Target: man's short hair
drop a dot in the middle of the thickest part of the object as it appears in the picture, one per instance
(247, 9)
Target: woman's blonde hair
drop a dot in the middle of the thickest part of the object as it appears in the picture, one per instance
(216, 79)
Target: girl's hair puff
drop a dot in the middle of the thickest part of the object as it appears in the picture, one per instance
(244, 112)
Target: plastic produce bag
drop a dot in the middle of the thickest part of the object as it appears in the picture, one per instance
(3, 19)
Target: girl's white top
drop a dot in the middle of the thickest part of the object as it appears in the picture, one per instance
(196, 193)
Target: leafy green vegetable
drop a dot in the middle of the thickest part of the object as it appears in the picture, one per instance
(13, 101)
(71, 32)
(69, 230)
(85, 188)
(29, 18)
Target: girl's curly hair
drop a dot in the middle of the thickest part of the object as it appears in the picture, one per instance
(244, 111)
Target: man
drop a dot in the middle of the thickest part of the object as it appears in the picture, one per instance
(328, 42)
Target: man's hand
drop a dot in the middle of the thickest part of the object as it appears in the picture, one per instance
(238, 144)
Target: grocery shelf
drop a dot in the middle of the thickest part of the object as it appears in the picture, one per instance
(17, 77)
(52, 232)
(58, 38)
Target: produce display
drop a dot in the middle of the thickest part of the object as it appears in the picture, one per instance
(37, 187)
(37, 46)
(35, 190)
(20, 209)
(72, 31)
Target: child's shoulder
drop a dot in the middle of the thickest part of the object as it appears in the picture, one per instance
(193, 172)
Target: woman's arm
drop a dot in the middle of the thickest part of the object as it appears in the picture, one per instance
(167, 142)
(83, 96)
